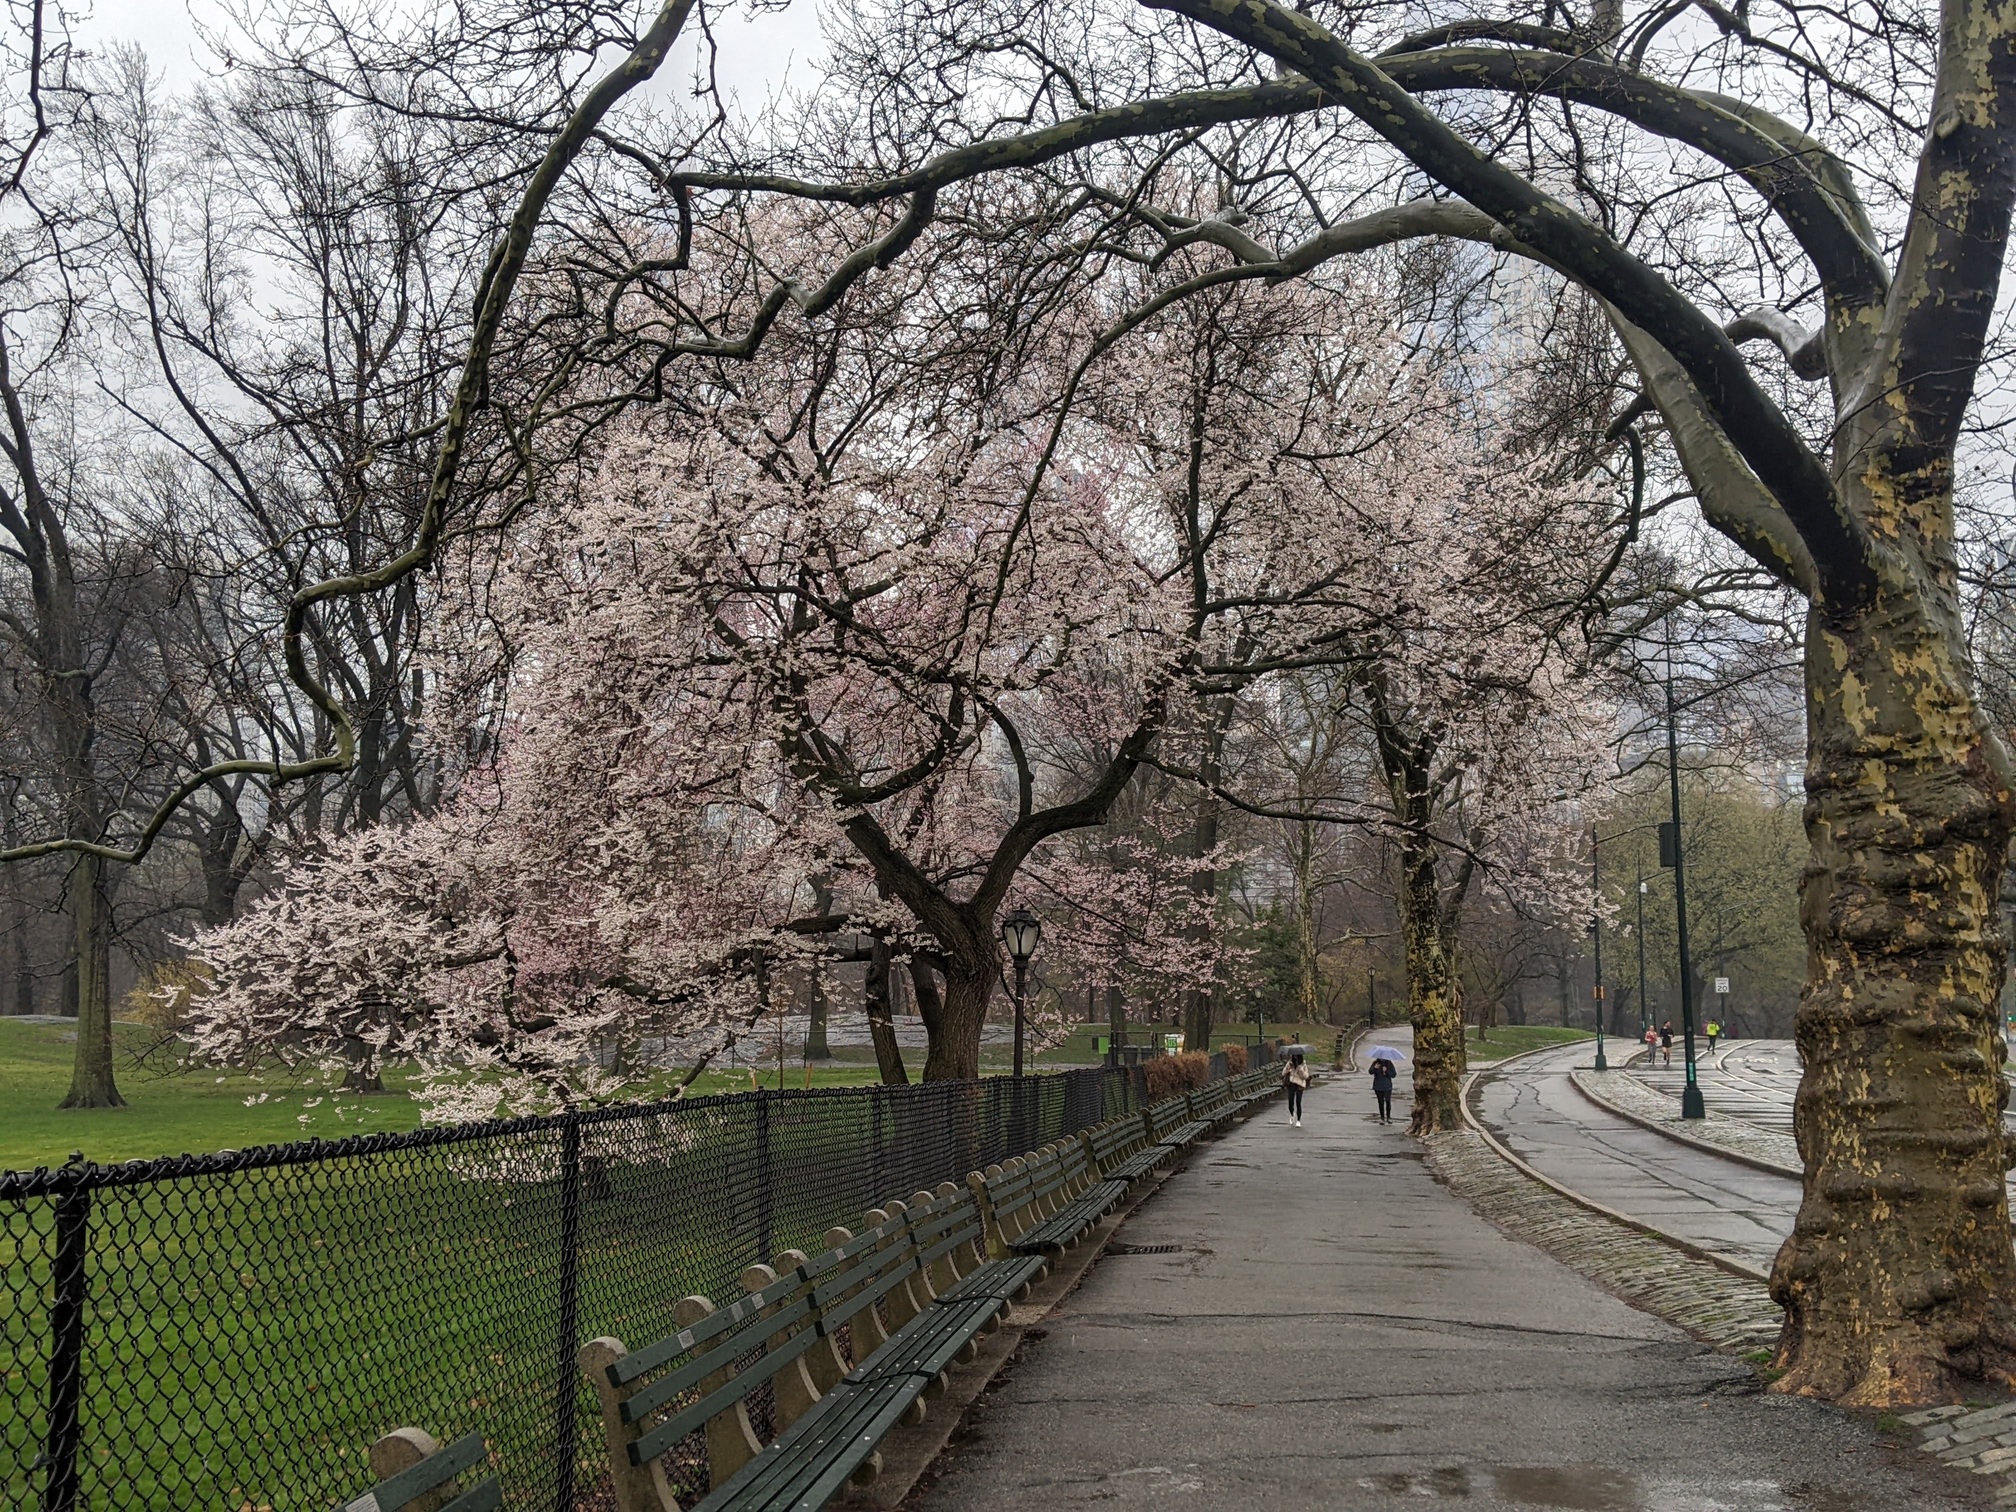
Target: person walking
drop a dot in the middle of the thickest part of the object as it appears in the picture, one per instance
(1295, 1077)
(1666, 1042)
(1382, 1087)
(1714, 1032)
(1651, 1043)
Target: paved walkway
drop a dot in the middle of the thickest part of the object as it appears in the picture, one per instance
(1337, 1330)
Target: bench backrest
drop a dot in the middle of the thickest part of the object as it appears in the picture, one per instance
(783, 1333)
(1116, 1140)
(1167, 1116)
(416, 1474)
(948, 1236)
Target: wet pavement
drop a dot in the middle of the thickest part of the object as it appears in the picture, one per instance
(1334, 1329)
(1748, 1079)
(1728, 1208)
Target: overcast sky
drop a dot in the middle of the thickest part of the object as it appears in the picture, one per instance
(755, 55)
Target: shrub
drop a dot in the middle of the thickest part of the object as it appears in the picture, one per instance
(166, 993)
(1235, 1058)
(1168, 1075)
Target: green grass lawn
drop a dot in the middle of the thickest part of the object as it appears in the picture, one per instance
(170, 1111)
(249, 1334)
(1514, 1039)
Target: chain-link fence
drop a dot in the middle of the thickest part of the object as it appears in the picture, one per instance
(231, 1331)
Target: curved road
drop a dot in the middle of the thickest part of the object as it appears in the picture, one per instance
(1729, 1209)
(1750, 1079)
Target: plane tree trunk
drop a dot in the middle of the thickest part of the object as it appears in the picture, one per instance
(1898, 1282)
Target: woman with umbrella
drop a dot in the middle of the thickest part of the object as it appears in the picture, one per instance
(1383, 1071)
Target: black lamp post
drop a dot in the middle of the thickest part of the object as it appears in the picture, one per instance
(1691, 1104)
(1021, 931)
(1644, 1007)
(1596, 929)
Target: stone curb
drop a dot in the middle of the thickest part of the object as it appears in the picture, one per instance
(1686, 1247)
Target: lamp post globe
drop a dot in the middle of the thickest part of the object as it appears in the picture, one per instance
(1021, 932)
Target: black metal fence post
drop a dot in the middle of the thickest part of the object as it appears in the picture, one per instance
(875, 1181)
(341, 1246)
(565, 1421)
(763, 1194)
(66, 1351)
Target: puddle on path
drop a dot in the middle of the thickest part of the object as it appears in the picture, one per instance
(1578, 1488)
(1572, 1488)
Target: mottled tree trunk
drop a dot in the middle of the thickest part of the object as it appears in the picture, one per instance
(816, 1007)
(23, 964)
(1434, 995)
(1898, 1282)
(224, 867)
(1199, 1004)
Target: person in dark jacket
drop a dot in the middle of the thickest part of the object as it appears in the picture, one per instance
(1382, 1071)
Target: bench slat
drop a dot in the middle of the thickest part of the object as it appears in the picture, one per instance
(997, 1278)
(743, 1341)
(484, 1498)
(927, 1343)
(648, 1446)
(395, 1491)
(822, 1449)
(651, 1356)
(879, 1283)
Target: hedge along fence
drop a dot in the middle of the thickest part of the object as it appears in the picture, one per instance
(231, 1331)
(1168, 1075)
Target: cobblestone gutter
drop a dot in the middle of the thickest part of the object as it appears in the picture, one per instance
(1710, 1303)
(1714, 1306)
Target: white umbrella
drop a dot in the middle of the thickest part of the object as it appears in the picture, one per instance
(1386, 1052)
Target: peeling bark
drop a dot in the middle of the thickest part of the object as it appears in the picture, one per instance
(1899, 1282)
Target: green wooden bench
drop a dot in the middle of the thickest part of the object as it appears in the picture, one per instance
(850, 1341)
(947, 1325)
(415, 1474)
(1120, 1148)
(1019, 1199)
(1255, 1088)
(959, 1263)
(1213, 1106)
(1170, 1124)
(1070, 1197)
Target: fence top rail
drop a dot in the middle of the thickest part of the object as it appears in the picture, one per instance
(81, 1175)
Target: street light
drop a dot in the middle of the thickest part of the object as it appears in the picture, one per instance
(1644, 1007)
(1021, 931)
(1596, 928)
(1691, 1104)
